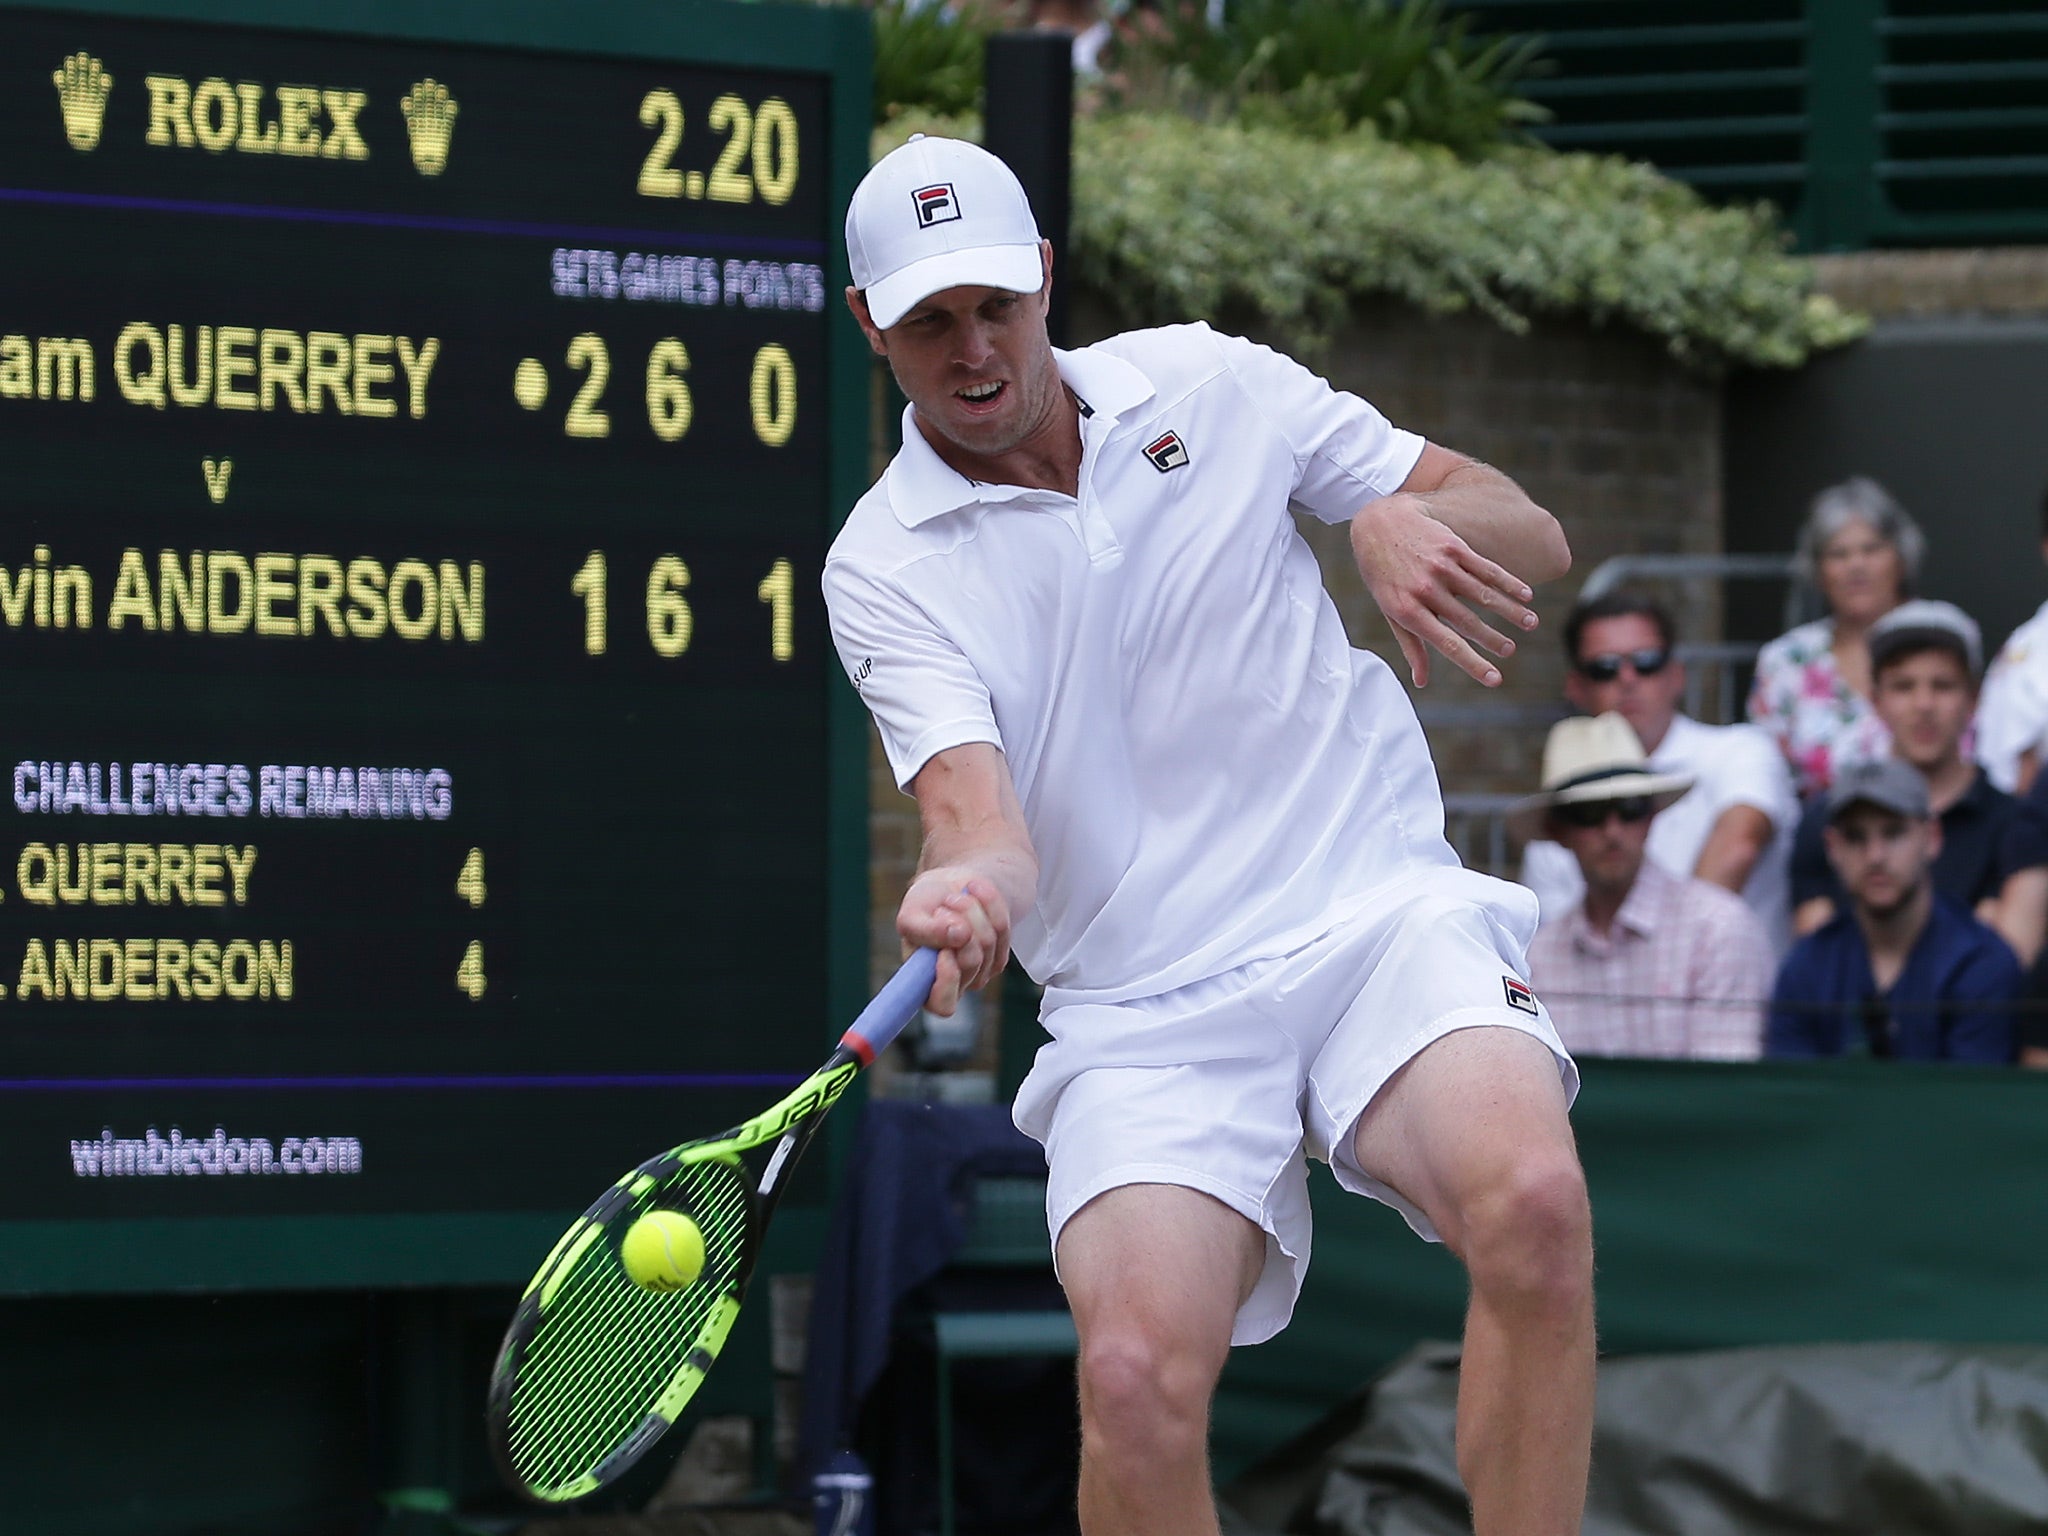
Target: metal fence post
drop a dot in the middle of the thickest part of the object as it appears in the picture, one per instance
(1843, 202)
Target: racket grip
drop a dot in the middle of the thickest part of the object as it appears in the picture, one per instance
(893, 1007)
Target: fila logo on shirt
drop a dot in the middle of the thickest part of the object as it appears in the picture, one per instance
(1519, 995)
(1167, 452)
(935, 205)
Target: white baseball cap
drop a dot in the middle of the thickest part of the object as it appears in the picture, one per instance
(936, 214)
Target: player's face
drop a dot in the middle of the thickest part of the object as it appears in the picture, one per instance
(1610, 854)
(1606, 675)
(977, 365)
(1860, 573)
(1882, 857)
(1926, 700)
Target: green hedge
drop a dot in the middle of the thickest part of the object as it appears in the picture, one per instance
(1178, 220)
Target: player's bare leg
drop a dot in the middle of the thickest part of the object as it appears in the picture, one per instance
(1155, 1275)
(1474, 1132)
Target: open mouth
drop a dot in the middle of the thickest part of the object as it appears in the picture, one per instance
(981, 397)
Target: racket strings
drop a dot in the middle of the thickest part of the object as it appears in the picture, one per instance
(589, 1388)
(596, 1390)
(604, 1351)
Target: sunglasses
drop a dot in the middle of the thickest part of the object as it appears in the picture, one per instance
(1606, 667)
(1594, 813)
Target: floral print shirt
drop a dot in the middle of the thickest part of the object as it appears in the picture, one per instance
(1819, 722)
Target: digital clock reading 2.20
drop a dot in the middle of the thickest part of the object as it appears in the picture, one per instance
(419, 462)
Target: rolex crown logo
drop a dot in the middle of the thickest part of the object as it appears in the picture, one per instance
(82, 87)
(429, 124)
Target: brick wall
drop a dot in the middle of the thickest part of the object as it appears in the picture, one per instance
(1598, 425)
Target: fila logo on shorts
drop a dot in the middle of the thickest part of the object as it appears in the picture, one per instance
(935, 205)
(1519, 995)
(1167, 452)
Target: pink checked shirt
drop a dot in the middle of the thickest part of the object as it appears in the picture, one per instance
(1685, 971)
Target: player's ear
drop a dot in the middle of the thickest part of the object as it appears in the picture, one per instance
(858, 303)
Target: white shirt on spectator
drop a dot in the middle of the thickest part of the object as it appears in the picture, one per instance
(2012, 712)
(1729, 765)
(1684, 971)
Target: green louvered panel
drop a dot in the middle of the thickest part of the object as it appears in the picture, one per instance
(1963, 122)
(1869, 122)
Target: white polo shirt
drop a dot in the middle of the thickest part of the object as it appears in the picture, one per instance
(2012, 711)
(1210, 774)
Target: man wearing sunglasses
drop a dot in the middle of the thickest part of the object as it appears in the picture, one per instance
(1648, 963)
(1734, 829)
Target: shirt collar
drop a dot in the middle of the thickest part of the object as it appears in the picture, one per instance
(923, 486)
(1675, 736)
(1642, 910)
(1977, 800)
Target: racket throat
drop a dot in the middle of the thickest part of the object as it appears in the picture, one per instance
(779, 1162)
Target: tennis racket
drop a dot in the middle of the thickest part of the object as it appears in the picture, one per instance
(594, 1368)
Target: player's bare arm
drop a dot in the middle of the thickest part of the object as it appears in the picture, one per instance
(1451, 553)
(976, 874)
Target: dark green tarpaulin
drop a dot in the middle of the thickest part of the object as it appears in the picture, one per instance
(1733, 1205)
(1850, 1439)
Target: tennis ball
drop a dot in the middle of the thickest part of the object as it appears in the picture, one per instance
(663, 1251)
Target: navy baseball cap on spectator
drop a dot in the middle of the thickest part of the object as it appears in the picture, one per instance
(1923, 622)
(1889, 784)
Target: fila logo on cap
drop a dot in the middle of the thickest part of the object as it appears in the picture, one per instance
(1167, 452)
(1519, 995)
(935, 205)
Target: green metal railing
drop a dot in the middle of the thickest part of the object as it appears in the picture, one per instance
(1869, 122)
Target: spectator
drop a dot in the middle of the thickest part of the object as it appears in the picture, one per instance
(1735, 829)
(1925, 659)
(1649, 963)
(2012, 719)
(1904, 972)
(1812, 688)
(1083, 21)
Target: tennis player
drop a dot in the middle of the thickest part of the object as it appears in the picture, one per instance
(1102, 660)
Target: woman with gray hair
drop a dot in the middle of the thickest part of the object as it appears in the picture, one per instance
(1861, 551)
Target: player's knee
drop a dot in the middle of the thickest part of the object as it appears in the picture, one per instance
(1145, 1390)
(1528, 1239)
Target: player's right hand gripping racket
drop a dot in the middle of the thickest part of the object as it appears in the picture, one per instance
(594, 1367)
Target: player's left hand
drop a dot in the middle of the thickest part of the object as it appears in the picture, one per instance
(1428, 582)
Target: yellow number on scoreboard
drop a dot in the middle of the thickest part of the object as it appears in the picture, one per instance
(469, 976)
(669, 620)
(658, 175)
(728, 183)
(586, 417)
(778, 591)
(771, 395)
(668, 398)
(469, 885)
(588, 584)
(775, 151)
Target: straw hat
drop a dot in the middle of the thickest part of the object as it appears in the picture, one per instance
(1593, 758)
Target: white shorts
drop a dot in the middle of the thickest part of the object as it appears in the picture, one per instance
(1229, 1085)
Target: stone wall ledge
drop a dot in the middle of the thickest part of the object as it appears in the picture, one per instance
(2003, 282)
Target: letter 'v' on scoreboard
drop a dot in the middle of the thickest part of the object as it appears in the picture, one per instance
(427, 788)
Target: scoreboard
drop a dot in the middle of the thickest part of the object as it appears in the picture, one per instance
(421, 426)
